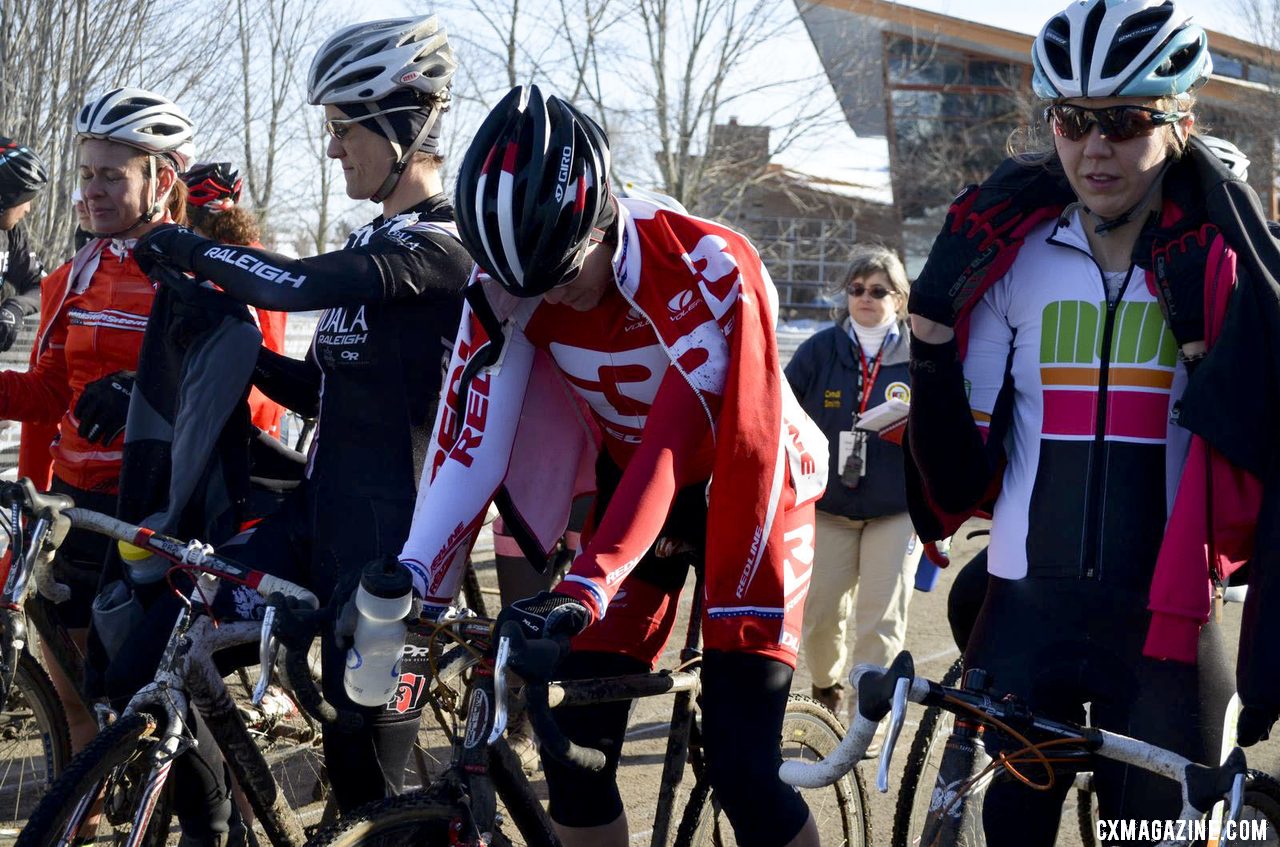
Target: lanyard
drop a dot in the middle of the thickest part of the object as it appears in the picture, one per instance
(867, 379)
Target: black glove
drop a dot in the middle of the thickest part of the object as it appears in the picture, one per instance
(546, 616)
(1179, 258)
(1255, 724)
(169, 244)
(103, 407)
(982, 223)
(10, 323)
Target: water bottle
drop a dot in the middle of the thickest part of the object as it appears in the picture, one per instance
(373, 662)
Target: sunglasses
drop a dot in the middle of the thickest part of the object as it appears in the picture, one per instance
(339, 127)
(1117, 123)
(876, 291)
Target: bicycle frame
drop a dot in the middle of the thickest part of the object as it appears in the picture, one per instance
(186, 673)
(882, 690)
(479, 750)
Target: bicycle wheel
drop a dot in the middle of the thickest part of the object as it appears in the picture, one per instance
(809, 732)
(417, 819)
(287, 737)
(921, 768)
(35, 745)
(112, 771)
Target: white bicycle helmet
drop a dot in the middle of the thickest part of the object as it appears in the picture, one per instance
(1229, 154)
(143, 119)
(1120, 48)
(368, 61)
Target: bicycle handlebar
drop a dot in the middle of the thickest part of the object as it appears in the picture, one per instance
(881, 690)
(533, 660)
(297, 628)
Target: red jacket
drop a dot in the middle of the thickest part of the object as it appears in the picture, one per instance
(100, 304)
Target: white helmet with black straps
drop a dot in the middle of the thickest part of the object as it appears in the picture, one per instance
(1120, 48)
(1229, 154)
(368, 61)
(143, 119)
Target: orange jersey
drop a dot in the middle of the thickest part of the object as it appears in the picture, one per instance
(34, 459)
(102, 302)
(266, 413)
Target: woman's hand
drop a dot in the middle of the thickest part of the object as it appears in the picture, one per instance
(931, 332)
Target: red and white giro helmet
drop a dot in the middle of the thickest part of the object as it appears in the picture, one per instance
(532, 188)
(143, 119)
(370, 60)
(1120, 48)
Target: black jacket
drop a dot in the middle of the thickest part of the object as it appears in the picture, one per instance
(824, 375)
(21, 272)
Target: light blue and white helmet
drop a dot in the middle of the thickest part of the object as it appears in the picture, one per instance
(1120, 48)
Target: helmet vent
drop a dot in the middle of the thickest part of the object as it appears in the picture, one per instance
(1057, 37)
(1180, 60)
(1133, 38)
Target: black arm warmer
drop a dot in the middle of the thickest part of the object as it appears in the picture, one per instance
(293, 383)
(23, 274)
(342, 278)
(944, 440)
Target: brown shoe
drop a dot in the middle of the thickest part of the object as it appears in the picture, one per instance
(832, 697)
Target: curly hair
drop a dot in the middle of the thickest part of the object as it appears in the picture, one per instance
(236, 225)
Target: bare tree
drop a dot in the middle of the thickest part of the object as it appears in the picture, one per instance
(276, 39)
(55, 54)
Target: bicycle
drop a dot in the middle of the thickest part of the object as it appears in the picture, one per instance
(924, 758)
(955, 819)
(460, 807)
(35, 743)
(119, 780)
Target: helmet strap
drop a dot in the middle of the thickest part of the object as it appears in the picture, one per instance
(389, 184)
(1106, 225)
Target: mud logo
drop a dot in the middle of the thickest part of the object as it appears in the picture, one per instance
(1139, 371)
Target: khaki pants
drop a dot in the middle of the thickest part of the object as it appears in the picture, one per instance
(878, 558)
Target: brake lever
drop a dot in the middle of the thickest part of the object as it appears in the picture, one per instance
(1237, 797)
(897, 716)
(500, 688)
(268, 649)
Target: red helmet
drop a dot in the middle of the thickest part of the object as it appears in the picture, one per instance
(213, 185)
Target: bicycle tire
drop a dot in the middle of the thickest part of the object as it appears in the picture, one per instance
(1261, 802)
(418, 818)
(809, 731)
(35, 744)
(472, 593)
(117, 755)
(922, 744)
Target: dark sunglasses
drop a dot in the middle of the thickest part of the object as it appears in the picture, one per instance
(339, 127)
(1117, 123)
(857, 290)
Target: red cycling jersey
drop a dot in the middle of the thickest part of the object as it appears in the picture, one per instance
(101, 303)
(680, 370)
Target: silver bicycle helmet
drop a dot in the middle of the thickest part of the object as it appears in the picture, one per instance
(1229, 154)
(1120, 48)
(143, 119)
(368, 61)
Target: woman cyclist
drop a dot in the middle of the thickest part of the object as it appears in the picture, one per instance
(391, 301)
(663, 324)
(1061, 326)
(131, 146)
(214, 210)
